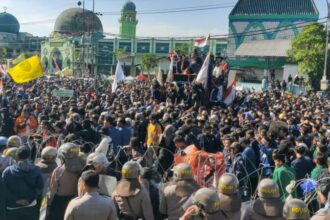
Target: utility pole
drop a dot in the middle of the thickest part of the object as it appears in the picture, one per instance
(324, 81)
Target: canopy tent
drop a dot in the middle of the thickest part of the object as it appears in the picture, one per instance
(264, 48)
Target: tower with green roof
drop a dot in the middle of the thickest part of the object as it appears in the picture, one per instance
(128, 21)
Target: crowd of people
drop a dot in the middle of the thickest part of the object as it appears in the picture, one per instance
(65, 153)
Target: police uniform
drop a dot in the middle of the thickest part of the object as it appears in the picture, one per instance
(208, 203)
(131, 199)
(176, 194)
(64, 181)
(229, 196)
(91, 206)
(267, 206)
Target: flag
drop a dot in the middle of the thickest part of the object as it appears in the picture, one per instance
(18, 59)
(160, 77)
(170, 75)
(2, 71)
(57, 67)
(202, 41)
(230, 94)
(203, 73)
(1, 85)
(119, 76)
(27, 70)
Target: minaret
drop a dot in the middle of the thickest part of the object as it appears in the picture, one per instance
(128, 21)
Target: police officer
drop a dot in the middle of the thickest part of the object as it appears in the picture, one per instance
(64, 180)
(229, 196)
(99, 163)
(91, 205)
(14, 141)
(131, 199)
(323, 212)
(47, 164)
(267, 206)
(295, 209)
(204, 204)
(176, 194)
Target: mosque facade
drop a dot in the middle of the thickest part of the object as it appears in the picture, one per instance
(79, 43)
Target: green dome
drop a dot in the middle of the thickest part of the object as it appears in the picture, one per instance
(77, 21)
(8, 23)
(129, 6)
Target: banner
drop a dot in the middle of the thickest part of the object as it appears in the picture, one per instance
(62, 93)
(27, 70)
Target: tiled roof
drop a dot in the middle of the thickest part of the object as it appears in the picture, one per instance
(275, 7)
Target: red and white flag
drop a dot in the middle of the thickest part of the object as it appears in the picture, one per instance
(203, 73)
(160, 77)
(202, 41)
(230, 94)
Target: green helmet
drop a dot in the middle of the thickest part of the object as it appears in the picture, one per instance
(69, 150)
(295, 209)
(14, 141)
(228, 184)
(207, 199)
(49, 153)
(268, 189)
(130, 170)
(183, 171)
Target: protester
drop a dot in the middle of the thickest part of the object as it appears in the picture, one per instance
(24, 184)
(283, 174)
(162, 125)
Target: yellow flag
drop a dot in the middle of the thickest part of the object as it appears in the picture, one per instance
(18, 59)
(27, 70)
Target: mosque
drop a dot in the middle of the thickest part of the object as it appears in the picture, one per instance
(79, 43)
(12, 41)
(260, 33)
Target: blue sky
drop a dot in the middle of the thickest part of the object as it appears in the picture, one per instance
(197, 23)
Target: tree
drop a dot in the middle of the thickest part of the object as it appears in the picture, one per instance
(183, 49)
(3, 55)
(148, 62)
(307, 49)
(120, 53)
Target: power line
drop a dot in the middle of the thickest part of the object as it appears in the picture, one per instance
(226, 36)
(233, 35)
(176, 10)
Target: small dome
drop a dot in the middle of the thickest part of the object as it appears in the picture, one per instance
(77, 21)
(8, 23)
(129, 6)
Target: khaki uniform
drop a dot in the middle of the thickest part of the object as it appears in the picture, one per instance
(91, 206)
(320, 216)
(233, 215)
(63, 182)
(138, 205)
(249, 213)
(171, 203)
(215, 216)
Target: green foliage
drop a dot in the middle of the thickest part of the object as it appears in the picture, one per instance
(183, 49)
(3, 55)
(308, 49)
(148, 62)
(120, 53)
